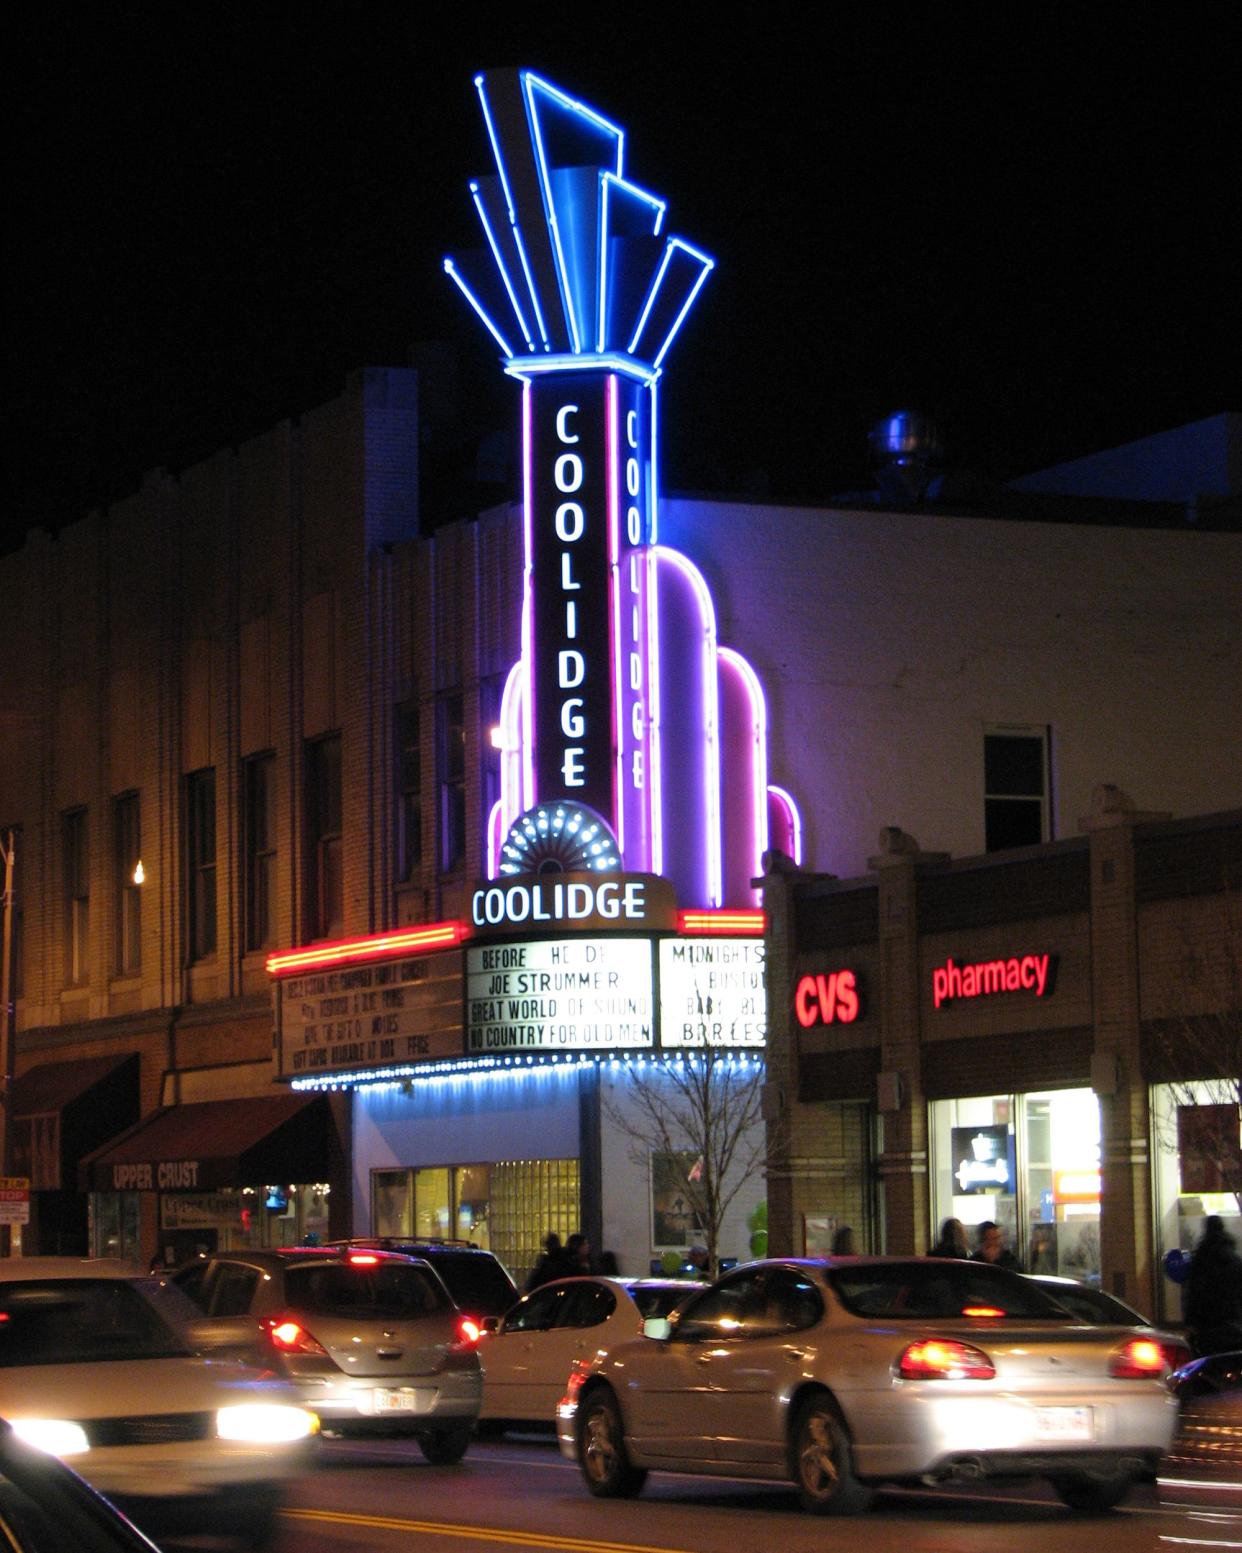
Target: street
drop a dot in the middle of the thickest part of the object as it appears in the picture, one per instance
(519, 1493)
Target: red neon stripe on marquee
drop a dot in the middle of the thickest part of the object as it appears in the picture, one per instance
(437, 935)
(722, 924)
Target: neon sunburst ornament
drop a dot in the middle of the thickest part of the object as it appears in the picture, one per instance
(559, 838)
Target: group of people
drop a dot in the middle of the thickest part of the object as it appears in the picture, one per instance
(989, 1244)
(571, 1260)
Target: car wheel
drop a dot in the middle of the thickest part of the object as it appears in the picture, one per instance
(602, 1455)
(823, 1467)
(446, 1446)
(1091, 1493)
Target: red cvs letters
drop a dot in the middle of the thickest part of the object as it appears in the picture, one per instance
(827, 999)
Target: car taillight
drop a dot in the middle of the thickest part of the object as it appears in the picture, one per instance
(940, 1359)
(981, 1310)
(290, 1336)
(1142, 1358)
(469, 1331)
(362, 1259)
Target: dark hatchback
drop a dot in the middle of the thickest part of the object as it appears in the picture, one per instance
(477, 1280)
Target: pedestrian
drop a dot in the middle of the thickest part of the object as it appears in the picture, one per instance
(990, 1247)
(577, 1257)
(1043, 1257)
(952, 1242)
(843, 1242)
(550, 1265)
(1212, 1303)
(608, 1265)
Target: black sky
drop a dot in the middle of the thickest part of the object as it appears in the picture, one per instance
(1024, 222)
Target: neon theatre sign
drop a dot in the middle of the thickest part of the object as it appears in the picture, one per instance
(624, 717)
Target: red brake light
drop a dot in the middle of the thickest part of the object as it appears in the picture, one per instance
(290, 1336)
(940, 1359)
(362, 1259)
(469, 1331)
(981, 1310)
(1142, 1358)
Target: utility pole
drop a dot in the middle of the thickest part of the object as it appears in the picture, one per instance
(6, 1020)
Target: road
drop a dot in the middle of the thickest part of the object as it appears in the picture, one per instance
(519, 1493)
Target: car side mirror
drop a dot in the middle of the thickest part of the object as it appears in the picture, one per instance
(658, 1327)
(489, 1326)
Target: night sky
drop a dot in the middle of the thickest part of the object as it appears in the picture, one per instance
(1024, 222)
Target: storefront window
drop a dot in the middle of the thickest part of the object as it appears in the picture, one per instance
(1030, 1163)
(115, 1225)
(508, 1207)
(1187, 1160)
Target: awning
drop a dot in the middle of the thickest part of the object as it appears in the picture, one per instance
(53, 1085)
(63, 1110)
(218, 1143)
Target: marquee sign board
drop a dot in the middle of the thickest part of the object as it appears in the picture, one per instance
(567, 995)
(401, 1010)
(711, 991)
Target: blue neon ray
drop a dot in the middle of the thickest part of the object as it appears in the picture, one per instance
(576, 245)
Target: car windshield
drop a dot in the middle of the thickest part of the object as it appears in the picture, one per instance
(81, 1321)
(941, 1290)
(388, 1290)
(658, 1301)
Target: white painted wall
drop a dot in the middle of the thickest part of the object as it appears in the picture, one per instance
(887, 641)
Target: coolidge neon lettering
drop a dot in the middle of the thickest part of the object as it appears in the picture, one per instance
(1020, 973)
(563, 902)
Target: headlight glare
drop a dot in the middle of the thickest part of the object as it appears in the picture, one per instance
(265, 1423)
(56, 1436)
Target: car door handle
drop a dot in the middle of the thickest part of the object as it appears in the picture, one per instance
(797, 1355)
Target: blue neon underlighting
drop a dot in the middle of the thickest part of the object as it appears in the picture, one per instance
(570, 158)
(451, 269)
(474, 1070)
(501, 265)
(532, 366)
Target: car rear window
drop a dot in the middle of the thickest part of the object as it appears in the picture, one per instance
(396, 1290)
(478, 1283)
(941, 1290)
(81, 1321)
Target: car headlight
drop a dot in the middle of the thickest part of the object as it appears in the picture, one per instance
(265, 1423)
(56, 1436)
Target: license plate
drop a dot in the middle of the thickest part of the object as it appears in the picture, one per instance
(392, 1401)
(1064, 1423)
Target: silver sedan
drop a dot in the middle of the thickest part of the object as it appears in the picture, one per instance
(845, 1373)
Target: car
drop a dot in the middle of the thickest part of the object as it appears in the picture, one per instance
(845, 1373)
(45, 1507)
(97, 1365)
(478, 1281)
(371, 1340)
(528, 1353)
(1090, 1304)
(1203, 1470)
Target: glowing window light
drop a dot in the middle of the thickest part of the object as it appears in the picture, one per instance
(452, 271)
(501, 265)
(436, 935)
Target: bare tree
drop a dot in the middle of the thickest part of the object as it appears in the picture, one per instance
(706, 1106)
(1198, 1052)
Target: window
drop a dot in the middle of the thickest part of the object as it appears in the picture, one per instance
(200, 861)
(1016, 805)
(259, 821)
(451, 733)
(409, 793)
(76, 888)
(325, 881)
(128, 876)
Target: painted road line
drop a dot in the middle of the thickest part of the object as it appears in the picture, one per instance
(498, 1535)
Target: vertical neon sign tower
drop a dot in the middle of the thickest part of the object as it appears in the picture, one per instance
(629, 738)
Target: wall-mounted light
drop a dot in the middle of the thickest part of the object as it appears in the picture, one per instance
(140, 873)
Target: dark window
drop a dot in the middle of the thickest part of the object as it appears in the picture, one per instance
(658, 1299)
(259, 819)
(588, 1305)
(80, 1321)
(491, 693)
(1017, 812)
(538, 1312)
(451, 754)
(409, 793)
(326, 885)
(200, 860)
(233, 1289)
(10, 878)
(394, 1289)
(76, 887)
(918, 1291)
(128, 877)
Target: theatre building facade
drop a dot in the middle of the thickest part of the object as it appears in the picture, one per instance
(375, 869)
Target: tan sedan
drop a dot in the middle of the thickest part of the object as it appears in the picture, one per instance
(845, 1373)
